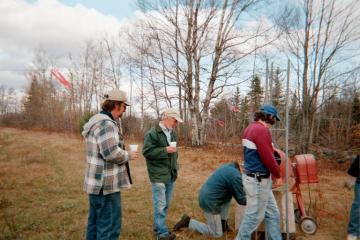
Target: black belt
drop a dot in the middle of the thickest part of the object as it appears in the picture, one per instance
(258, 176)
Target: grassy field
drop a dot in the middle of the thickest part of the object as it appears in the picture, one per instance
(41, 177)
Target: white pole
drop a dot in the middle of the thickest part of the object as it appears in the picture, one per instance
(266, 82)
(131, 92)
(287, 151)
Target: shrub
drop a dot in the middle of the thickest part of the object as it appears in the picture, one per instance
(84, 119)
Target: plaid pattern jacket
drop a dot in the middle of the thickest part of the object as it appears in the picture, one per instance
(106, 158)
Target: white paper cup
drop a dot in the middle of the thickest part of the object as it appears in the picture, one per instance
(173, 144)
(133, 147)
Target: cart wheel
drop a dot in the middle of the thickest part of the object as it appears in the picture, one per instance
(308, 225)
(297, 215)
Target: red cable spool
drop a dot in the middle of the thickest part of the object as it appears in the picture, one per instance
(306, 169)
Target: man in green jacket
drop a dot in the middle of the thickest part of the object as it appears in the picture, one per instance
(161, 160)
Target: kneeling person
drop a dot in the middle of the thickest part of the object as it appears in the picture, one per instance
(214, 198)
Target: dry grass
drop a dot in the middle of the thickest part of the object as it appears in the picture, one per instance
(41, 176)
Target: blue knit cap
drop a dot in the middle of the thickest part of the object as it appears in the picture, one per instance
(270, 109)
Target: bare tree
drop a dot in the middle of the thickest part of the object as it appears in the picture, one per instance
(319, 35)
(202, 56)
(8, 100)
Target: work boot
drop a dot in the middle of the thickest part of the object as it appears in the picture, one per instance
(184, 222)
(225, 226)
(171, 236)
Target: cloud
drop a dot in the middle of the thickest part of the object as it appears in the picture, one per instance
(47, 24)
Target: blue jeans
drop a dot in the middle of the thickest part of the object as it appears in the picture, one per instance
(354, 223)
(104, 220)
(261, 204)
(162, 194)
(213, 227)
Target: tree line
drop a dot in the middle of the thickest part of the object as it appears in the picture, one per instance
(203, 58)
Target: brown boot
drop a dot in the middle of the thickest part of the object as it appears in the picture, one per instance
(171, 236)
(225, 226)
(184, 222)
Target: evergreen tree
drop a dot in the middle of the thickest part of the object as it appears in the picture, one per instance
(235, 101)
(33, 103)
(355, 122)
(278, 97)
(355, 111)
(221, 111)
(244, 113)
(43, 106)
(222, 118)
(256, 93)
(236, 113)
(294, 112)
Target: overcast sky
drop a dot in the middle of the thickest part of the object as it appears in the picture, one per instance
(59, 27)
(56, 26)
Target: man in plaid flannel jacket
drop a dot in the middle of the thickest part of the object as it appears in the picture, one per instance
(107, 169)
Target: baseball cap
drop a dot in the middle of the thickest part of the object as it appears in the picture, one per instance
(171, 112)
(270, 109)
(117, 95)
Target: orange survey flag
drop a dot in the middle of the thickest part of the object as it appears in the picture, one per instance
(61, 78)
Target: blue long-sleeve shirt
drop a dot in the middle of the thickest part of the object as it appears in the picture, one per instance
(354, 169)
(220, 187)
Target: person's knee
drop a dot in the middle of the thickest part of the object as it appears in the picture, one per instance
(273, 215)
(215, 231)
(276, 213)
(217, 234)
(251, 223)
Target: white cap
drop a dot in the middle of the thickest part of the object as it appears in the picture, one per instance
(117, 95)
(172, 113)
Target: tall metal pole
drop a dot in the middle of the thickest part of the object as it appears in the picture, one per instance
(142, 97)
(266, 82)
(131, 92)
(287, 151)
(271, 83)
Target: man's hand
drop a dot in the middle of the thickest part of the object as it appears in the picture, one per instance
(170, 149)
(349, 182)
(278, 181)
(134, 154)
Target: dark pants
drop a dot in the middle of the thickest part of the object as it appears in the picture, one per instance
(104, 222)
(354, 223)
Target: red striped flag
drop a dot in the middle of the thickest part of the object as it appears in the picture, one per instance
(61, 78)
(219, 122)
(235, 109)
